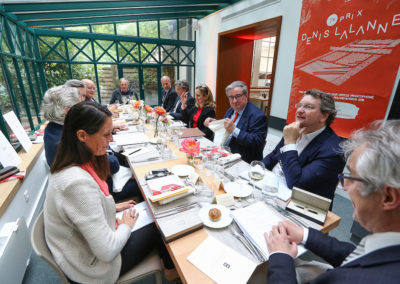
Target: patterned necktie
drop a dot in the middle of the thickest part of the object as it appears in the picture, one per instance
(236, 116)
(359, 250)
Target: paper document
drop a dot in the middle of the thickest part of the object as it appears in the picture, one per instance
(221, 263)
(18, 130)
(145, 216)
(8, 156)
(255, 220)
(130, 138)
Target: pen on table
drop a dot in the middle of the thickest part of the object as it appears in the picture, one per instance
(135, 151)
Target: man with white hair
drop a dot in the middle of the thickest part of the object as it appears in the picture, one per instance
(168, 94)
(123, 93)
(373, 184)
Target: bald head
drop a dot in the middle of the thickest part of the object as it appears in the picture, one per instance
(90, 88)
(166, 83)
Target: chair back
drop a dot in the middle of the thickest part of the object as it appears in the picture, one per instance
(41, 249)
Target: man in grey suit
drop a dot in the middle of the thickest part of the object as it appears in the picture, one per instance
(373, 184)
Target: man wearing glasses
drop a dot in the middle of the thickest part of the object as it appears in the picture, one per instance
(308, 156)
(373, 185)
(245, 122)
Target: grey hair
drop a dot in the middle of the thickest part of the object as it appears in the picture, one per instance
(75, 84)
(58, 98)
(327, 104)
(123, 79)
(183, 84)
(237, 84)
(378, 163)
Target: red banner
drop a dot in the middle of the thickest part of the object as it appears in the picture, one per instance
(351, 49)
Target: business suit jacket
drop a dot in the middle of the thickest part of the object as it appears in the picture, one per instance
(168, 99)
(51, 139)
(316, 169)
(177, 114)
(253, 129)
(117, 95)
(187, 117)
(380, 266)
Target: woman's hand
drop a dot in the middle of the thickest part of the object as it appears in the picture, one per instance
(278, 241)
(129, 217)
(124, 205)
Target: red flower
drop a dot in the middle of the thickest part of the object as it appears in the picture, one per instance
(190, 146)
(148, 109)
(160, 110)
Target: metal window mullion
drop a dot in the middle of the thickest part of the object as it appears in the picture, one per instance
(23, 93)
(67, 56)
(37, 80)
(35, 103)
(11, 46)
(3, 127)
(41, 69)
(10, 90)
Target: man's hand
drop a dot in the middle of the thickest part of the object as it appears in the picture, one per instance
(124, 205)
(291, 133)
(229, 125)
(119, 126)
(278, 241)
(295, 233)
(208, 120)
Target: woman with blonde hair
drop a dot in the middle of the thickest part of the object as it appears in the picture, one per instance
(204, 107)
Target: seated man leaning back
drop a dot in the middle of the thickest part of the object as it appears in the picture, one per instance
(245, 122)
(309, 156)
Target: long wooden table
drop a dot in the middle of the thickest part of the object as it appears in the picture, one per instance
(181, 248)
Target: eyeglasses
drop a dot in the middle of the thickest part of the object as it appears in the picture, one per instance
(201, 86)
(306, 107)
(237, 97)
(343, 176)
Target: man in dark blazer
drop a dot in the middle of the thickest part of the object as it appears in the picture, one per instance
(168, 94)
(249, 128)
(123, 92)
(182, 89)
(309, 156)
(373, 184)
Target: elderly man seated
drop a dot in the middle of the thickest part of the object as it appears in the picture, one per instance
(373, 185)
(246, 123)
(308, 156)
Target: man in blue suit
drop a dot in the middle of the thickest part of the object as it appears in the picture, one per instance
(309, 156)
(245, 122)
(373, 185)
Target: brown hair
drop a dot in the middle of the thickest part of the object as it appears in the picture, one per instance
(90, 117)
(206, 92)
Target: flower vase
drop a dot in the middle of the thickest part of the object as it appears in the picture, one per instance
(156, 130)
(190, 159)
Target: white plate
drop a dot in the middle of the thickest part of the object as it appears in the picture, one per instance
(225, 220)
(155, 140)
(238, 189)
(182, 170)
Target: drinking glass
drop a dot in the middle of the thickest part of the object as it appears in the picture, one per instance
(256, 173)
(270, 192)
(198, 163)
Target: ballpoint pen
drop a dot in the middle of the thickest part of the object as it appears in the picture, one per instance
(135, 151)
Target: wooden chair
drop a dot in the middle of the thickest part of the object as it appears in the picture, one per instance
(148, 266)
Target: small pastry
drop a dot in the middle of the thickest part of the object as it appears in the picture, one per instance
(214, 214)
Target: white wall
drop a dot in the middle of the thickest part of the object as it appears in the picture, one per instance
(244, 13)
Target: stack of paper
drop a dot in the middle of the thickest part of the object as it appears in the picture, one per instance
(130, 138)
(255, 220)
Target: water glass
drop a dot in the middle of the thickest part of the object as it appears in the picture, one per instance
(270, 193)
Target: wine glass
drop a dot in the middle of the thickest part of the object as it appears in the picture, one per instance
(256, 173)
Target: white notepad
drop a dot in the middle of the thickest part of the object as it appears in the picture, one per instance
(221, 263)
